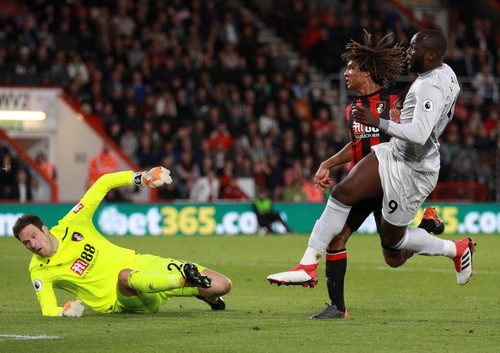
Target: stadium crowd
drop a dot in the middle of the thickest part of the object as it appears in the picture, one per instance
(188, 85)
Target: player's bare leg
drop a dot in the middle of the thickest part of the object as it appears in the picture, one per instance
(396, 258)
(419, 241)
(221, 285)
(362, 182)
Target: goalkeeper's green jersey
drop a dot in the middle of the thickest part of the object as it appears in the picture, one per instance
(86, 263)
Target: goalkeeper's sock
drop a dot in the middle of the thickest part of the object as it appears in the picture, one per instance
(183, 292)
(153, 282)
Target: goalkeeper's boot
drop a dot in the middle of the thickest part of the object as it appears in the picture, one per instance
(430, 213)
(300, 275)
(193, 276)
(331, 312)
(220, 304)
(463, 259)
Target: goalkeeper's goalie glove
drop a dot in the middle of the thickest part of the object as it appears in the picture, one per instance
(73, 308)
(157, 176)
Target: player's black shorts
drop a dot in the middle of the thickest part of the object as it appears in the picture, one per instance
(361, 210)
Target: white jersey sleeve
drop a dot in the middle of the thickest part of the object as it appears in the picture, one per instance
(427, 109)
(429, 103)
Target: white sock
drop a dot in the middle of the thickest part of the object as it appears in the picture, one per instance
(311, 256)
(328, 226)
(423, 243)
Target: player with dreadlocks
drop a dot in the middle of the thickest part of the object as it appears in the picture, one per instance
(371, 70)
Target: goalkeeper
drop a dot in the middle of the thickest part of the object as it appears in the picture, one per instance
(75, 257)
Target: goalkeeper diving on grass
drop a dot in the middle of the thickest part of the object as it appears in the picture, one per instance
(107, 278)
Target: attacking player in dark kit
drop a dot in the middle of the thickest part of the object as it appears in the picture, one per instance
(401, 173)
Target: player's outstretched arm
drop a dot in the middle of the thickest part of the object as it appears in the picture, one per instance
(157, 176)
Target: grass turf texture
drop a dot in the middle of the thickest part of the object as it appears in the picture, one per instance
(417, 308)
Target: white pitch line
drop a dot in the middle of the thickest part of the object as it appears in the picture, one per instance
(6, 337)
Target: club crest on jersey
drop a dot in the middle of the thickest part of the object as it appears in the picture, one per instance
(37, 284)
(428, 105)
(78, 207)
(77, 236)
(380, 106)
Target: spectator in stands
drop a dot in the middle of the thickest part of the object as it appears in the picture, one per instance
(84, 38)
(103, 162)
(322, 126)
(147, 154)
(485, 86)
(58, 69)
(128, 141)
(26, 34)
(289, 153)
(63, 37)
(48, 169)
(229, 182)
(21, 190)
(268, 120)
(469, 65)
(172, 191)
(131, 120)
(294, 179)
(181, 55)
(302, 108)
(449, 150)
(274, 179)
(25, 65)
(187, 172)
(123, 24)
(206, 188)
(230, 190)
(294, 192)
(76, 67)
(312, 193)
(300, 86)
(7, 174)
(279, 60)
(256, 150)
(221, 138)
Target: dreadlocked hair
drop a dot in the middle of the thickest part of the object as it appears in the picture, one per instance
(384, 63)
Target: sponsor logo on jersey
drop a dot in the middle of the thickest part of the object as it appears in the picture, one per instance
(37, 284)
(77, 236)
(364, 131)
(78, 207)
(428, 105)
(380, 106)
(79, 266)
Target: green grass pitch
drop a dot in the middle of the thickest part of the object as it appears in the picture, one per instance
(416, 308)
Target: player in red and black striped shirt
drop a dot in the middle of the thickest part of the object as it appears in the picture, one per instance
(363, 137)
(370, 70)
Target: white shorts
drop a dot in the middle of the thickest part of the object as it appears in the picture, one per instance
(404, 189)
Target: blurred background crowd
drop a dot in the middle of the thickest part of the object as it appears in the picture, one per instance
(195, 86)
